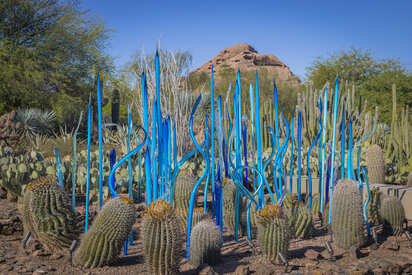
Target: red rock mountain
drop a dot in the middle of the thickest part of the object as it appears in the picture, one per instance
(246, 58)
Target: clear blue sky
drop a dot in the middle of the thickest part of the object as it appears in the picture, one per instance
(295, 31)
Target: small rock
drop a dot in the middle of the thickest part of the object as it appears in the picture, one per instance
(312, 255)
(264, 270)
(39, 272)
(242, 270)
(206, 270)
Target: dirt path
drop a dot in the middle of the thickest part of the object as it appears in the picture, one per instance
(306, 256)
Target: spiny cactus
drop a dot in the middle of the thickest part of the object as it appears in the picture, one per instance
(48, 213)
(347, 219)
(103, 242)
(300, 220)
(393, 215)
(373, 208)
(183, 190)
(273, 232)
(205, 243)
(229, 208)
(375, 161)
(410, 179)
(161, 239)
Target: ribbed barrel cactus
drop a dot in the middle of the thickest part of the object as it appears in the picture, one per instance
(205, 240)
(162, 239)
(48, 214)
(229, 208)
(183, 190)
(393, 215)
(299, 220)
(375, 161)
(104, 240)
(273, 232)
(347, 221)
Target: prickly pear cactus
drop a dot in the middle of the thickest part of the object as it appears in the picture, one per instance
(103, 242)
(375, 161)
(299, 220)
(205, 243)
(273, 232)
(347, 219)
(49, 215)
(393, 215)
(161, 239)
(373, 208)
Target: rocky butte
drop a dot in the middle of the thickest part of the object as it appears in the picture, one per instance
(246, 58)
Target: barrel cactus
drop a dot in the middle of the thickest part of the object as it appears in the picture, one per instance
(205, 243)
(48, 214)
(347, 219)
(161, 239)
(183, 190)
(393, 215)
(273, 232)
(103, 242)
(229, 208)
(373, 208)
(299, 220)
(375, 161)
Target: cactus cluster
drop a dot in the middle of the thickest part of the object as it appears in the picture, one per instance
(348, 225)
(375, 161)
(273, 232)
(47, 213)
(103, 242)
(162, 239)
(205, 242)
(300, 220)
(393, 215)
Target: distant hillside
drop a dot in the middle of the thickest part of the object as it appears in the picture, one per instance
(246, 58)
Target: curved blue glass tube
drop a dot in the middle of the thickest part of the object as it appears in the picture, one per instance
(365, 205)
(154, 150)
(244, 138)
(269, 160)
(206, 134)
(192, 196)
(279, 153)
(123, 159)
(282, 175)
(148, 172)
(259, 141)
(238, 151)
(112, 157)
(299, 154)
(129, 161)
(335, 117)
(99, 110)
(74, 170)
(349, 159)
(89, 126)
(291, 155)
(309, 173)
(59, 167)
(252, 128)
(220, 134)
(177, 169)
(358, 169)
(342, 142)
(212, 136)
(169, 154)
(322, 179)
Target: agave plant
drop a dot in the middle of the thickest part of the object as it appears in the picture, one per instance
(36, 121)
